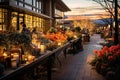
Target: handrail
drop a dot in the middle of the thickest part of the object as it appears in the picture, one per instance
(37, 61)
(25, 67)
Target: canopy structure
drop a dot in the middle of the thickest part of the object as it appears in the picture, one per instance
(62, 6)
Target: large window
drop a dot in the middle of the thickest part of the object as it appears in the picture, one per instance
(32, 21)
(3, 14)
(35, 5)
(28, 21)
(58, 13)
(14, 21)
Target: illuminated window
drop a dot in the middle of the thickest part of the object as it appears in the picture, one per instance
(28, 21)
(3, 19)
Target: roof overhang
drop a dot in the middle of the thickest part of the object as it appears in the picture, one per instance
(58, 17)
(60, 5)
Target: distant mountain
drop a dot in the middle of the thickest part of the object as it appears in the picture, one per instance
(86, 16)
(105, 21)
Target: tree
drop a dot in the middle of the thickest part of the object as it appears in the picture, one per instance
(113, 8)
(84, 23)
(109, 6)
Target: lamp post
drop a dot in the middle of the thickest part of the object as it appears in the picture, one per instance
(116, 34)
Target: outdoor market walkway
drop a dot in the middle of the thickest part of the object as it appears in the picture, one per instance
(76, 67)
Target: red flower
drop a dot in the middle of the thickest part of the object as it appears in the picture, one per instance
(100, 53)
(110, 58)
(95, 51)
(112, 48)
(105, 48)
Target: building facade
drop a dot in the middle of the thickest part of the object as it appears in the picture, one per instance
(42, 14)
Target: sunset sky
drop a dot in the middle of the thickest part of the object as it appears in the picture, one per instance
(83, 7)
(80, 3)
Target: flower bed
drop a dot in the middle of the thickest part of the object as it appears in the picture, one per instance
(107, 62)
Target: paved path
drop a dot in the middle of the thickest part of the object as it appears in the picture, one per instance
(76, 67)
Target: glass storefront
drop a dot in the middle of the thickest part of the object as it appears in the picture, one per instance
(32, 21)
(16, 18)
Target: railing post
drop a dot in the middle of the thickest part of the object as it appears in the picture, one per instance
(65, 52)
(49, 66)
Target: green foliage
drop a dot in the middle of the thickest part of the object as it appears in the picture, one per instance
(77, 29)
(3, 39)
(70, 38)
(53, 30)
(51, 46)
(19, 38)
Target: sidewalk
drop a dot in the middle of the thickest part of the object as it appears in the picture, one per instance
(76, 67)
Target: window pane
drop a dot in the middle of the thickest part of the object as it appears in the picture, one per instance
(21, 4)
(34, 2)
(28, 1)
(37, 4)
(28, 7)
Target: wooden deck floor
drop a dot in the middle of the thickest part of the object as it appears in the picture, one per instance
(76, 67)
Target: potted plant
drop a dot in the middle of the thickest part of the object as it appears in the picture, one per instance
(21, 41)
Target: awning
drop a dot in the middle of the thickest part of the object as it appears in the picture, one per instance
(60, 5)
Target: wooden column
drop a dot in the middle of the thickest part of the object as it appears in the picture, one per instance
(53, 13)
(116, 23)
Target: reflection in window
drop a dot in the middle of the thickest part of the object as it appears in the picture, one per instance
(29, 1)
(21, 4)
(34, 2)
(28, 7)
(21, 0)
(13, 2)
(37, 4)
